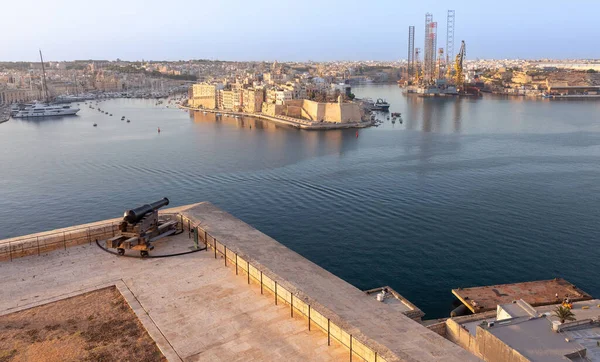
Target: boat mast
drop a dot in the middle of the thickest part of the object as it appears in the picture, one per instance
(44, 85)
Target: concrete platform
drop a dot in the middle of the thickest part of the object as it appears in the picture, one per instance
(194, 307)
(536, 293)
(380, 327)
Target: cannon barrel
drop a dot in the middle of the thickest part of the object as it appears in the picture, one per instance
(135, 215)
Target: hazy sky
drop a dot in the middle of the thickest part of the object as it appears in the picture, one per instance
(291, 30)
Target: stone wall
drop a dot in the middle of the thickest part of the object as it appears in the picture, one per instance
(461, 336)
(492, 349)
(439, 328)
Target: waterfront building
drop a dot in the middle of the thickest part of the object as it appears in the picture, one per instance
(252, 100)
(204, 96)
(228, 97)
(9, 96)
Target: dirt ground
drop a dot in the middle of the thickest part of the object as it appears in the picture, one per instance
(95, 326)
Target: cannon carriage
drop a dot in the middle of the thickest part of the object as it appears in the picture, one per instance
(141, 227)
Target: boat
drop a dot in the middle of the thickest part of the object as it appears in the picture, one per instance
(95, 125)
(40, 109)
(380, 105)
(122, 118)
(128, 121)
(110, 114)
(43, 109)
(396, 114)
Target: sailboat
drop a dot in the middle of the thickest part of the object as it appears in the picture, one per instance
(44, 109)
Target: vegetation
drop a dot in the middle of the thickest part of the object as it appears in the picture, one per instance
(564, 314)
(591, 71)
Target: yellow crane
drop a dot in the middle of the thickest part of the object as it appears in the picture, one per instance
(459, 77)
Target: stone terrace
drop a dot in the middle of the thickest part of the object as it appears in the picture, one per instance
(195, 308)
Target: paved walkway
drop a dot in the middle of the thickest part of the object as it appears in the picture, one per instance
(198, 310)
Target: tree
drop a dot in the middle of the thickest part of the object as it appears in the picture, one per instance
(351, 96)
(591, 71)
(564, 314)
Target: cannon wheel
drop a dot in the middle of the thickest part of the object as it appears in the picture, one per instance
(144, 253)
(121, 251)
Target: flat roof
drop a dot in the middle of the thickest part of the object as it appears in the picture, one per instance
(534, 339)
(536, 293)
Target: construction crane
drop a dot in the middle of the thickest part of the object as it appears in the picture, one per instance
(459, 77)
(419, 70)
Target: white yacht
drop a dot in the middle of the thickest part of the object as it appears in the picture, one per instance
(45, 110)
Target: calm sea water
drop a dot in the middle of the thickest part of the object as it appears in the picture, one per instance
(462, 193)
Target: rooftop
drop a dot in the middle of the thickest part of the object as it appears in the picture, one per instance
(536, 293)
(534, 339)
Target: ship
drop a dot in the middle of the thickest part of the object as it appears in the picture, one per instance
(40, 109)
(380, 105)
(43, 109)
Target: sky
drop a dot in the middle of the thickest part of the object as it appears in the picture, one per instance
(285, 30)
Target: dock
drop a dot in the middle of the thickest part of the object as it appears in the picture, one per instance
(536, 293)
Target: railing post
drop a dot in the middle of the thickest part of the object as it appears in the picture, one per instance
(225, 246)
(350, 348)
(309, 317)
(328, 333)
(112, 228)
(215, 242)
(189, 230)
(375, 356)
(64, 240)
(37, 238)
(248, 270)
(236, 264)
(291, 305)
(261, 283)
(275, 292)
(10, 250)
(205, 240)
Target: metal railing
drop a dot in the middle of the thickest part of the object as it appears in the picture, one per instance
(45, 242)
(280, 294)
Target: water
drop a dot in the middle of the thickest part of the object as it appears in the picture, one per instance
(462, 193)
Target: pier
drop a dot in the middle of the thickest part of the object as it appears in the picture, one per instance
(245, 297)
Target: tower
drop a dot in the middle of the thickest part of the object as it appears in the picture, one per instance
(450, 42)
(430, 47)
(411, 53)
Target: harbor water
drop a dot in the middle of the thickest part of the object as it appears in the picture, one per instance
(463, 192)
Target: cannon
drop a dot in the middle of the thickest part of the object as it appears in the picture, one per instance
(141, 227)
